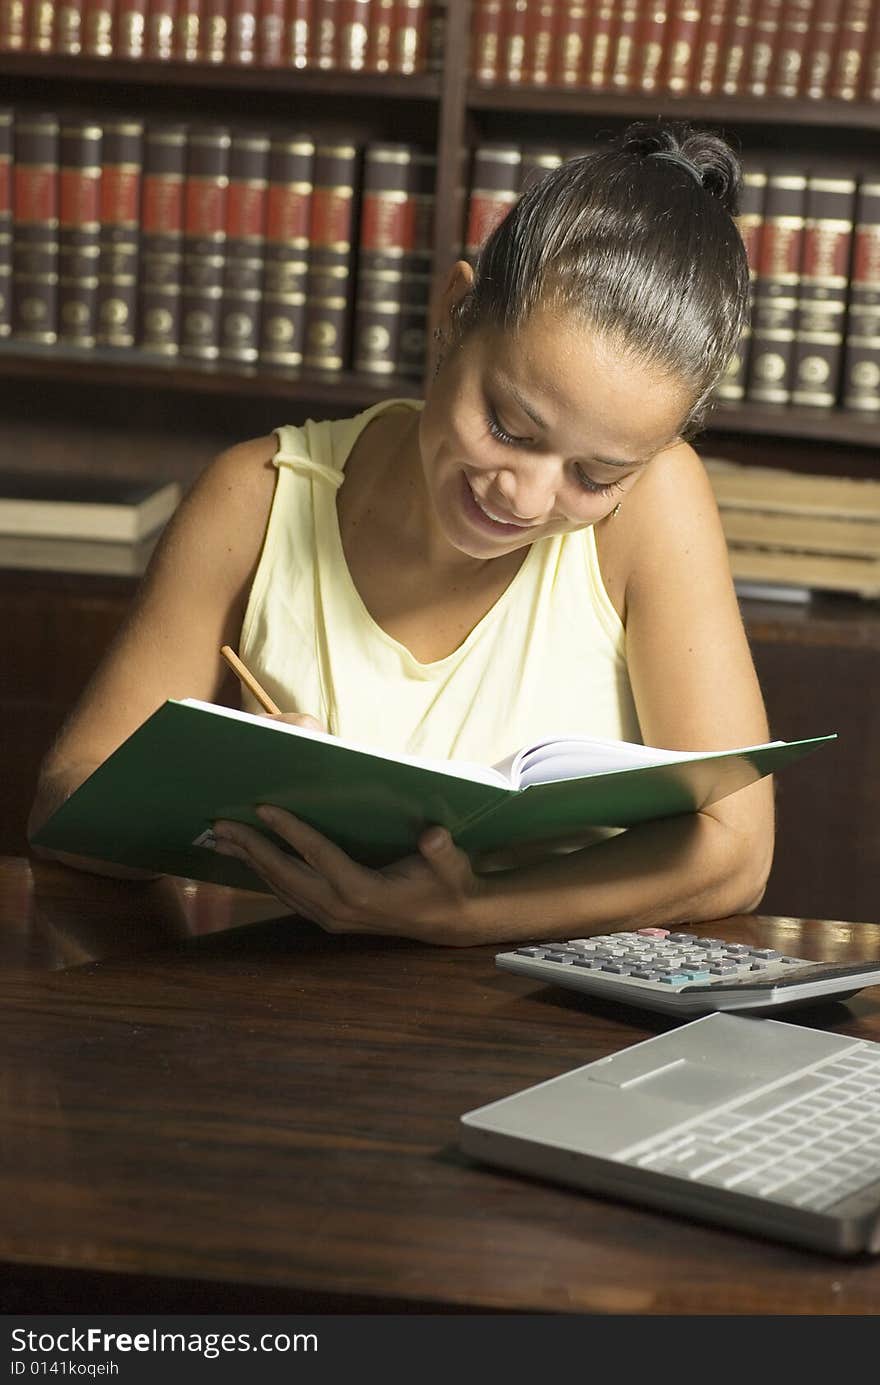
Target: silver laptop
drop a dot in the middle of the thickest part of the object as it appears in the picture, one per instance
(768, 1127)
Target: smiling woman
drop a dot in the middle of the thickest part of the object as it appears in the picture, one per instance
(445, 578)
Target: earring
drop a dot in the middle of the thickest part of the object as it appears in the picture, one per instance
(615, 512)
(438, 333)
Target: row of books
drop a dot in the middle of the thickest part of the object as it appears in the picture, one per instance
(277, 250)
(813, 241)
(391, 36)
(759, 48)
(790, 534)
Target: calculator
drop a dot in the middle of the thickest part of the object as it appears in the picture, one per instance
(682, 974)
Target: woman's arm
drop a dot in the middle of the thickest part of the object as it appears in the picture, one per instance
(665, 563)
(191, 601)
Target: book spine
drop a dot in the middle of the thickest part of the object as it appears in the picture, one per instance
(122, 160)
(709, 54)
(815, 80)
(352, 36)
(161, 25)
(623, 75)
(871, 84)
(98, 26)
(245, 245)
(79, 231)
(271, 33)
(6, 121)
(40, 25)
(291, 180)
(130, 40)
(485, 40)
(322, 37)
(161, 271)
(539, 49)
(67, 32)
(213, 28)
(768, 18)
(13, 26)
(331, 233)
(204, 240)
(794, 38)
(681, 39)
(242, 39)
(852, 49)
(513, 41)
(598, 66)
(435, 39)
(494, 189)
(738, 45)
(824, 278)
(861, 375)
(750, 221)
(299, 34)
(570, 43)
(187, 37)
(378, 55)
(776, 289)
(387, 232)
(418, 259)
(35, 228)
(652, 44)
(409, 36)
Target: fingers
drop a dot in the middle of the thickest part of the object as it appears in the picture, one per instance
(451, 866)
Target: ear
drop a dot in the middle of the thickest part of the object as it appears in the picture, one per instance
(458, 286)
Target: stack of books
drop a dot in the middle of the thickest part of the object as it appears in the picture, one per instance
(790, 534)
(64, 523)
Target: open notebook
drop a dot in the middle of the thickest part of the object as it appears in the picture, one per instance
(152, 803)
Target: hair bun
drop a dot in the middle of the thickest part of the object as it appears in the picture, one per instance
(709, 156)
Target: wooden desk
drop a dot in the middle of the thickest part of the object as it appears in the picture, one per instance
(203, 1116)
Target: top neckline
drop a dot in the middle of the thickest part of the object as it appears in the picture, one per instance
(493, 613)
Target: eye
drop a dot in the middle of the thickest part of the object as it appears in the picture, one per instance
(499, 434)
(595, 487)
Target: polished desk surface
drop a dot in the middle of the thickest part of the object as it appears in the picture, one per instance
(211, 1107)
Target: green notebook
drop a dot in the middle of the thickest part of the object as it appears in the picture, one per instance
(152, 803)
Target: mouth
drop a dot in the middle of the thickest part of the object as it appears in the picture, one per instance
(488, 518)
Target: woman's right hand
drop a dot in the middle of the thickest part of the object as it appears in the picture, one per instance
(307, 722)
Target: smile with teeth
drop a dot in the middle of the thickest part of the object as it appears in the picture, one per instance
(498, 519)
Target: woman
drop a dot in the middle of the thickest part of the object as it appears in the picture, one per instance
(536, 549)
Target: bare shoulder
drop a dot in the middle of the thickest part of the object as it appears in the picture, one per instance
(668, 524)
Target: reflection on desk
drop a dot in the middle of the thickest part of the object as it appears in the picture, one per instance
(211, 1108)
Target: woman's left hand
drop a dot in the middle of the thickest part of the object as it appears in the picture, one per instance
(428, 897)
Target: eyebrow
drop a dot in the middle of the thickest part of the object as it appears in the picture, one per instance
(530, 412)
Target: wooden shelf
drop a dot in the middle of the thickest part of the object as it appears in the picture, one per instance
(858, 115)
(221, 76)
(824, 425)
(114, 368)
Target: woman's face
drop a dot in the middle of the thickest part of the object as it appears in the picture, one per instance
(539, 433)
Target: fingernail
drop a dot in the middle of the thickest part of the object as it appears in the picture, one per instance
(435, 839)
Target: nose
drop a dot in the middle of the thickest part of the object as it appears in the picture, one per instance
(527, 489)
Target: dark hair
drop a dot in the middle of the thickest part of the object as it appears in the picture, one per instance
(640, 240)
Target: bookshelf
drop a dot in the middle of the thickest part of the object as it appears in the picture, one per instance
(109, 409)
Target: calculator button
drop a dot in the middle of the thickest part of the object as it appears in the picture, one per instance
(766, 952)
(619, 968)
(529, 952)
(723, 969)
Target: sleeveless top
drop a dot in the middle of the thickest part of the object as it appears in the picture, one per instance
(548, 658)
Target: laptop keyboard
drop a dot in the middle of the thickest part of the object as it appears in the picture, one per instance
(807, 1142)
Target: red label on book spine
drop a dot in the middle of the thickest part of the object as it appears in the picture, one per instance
(245, 210)
(331, 216)
(288, 214)
(120, 195)
(79, 197)
(162, 205)
(205, 204)
(36, 194)
(387, 224)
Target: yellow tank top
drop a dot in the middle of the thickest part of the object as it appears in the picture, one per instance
(548, 658)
